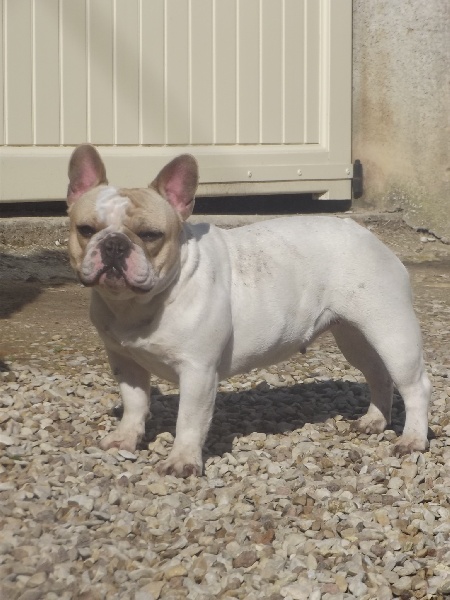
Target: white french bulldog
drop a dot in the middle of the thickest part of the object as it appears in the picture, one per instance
(195, 304)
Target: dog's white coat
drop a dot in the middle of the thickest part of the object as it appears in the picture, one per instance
(253, 296)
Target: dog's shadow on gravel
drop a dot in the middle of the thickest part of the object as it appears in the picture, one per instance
(270, 411)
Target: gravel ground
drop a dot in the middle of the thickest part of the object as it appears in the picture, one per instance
(293, 504)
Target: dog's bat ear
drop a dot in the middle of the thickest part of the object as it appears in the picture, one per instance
(177, 182)
(86, 170)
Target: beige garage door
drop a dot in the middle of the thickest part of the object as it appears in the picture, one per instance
(258, 90)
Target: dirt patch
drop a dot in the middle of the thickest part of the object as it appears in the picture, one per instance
(41, 304)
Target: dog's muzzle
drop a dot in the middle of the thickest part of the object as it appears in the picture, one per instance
(114, 261)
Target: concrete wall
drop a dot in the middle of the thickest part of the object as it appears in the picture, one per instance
(401, 108)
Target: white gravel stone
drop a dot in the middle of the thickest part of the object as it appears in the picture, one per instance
(83, 501)
(127, 455)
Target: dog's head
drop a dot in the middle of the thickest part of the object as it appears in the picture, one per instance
(127, 240)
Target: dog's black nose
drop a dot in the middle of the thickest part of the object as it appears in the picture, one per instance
(115, 248)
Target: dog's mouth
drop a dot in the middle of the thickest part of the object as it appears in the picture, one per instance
(112, 275)
(107, 274)
(114, 278)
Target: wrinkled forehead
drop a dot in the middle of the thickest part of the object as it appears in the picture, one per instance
(111, 207)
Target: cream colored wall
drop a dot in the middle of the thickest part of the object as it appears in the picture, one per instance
(258, 90)
(162, 72)
(401, 107)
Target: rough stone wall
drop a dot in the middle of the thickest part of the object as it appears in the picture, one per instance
(401, 108)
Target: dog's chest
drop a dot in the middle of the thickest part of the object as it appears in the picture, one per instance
(142, 341)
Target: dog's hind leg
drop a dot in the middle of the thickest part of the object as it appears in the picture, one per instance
(362, 355)
(386, 354)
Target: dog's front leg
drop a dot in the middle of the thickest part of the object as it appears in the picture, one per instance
(134, 384)
(198, 387)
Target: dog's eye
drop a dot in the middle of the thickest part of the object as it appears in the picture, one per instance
(150, 235)
(86, 231)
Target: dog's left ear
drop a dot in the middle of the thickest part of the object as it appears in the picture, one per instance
(86, 171)
(177, 182)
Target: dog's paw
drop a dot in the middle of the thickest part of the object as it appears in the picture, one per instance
(122, 439)
(180, 467)
(368, 424)
(408, 444)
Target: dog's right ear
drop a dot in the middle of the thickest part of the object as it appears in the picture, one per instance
(86, 171)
